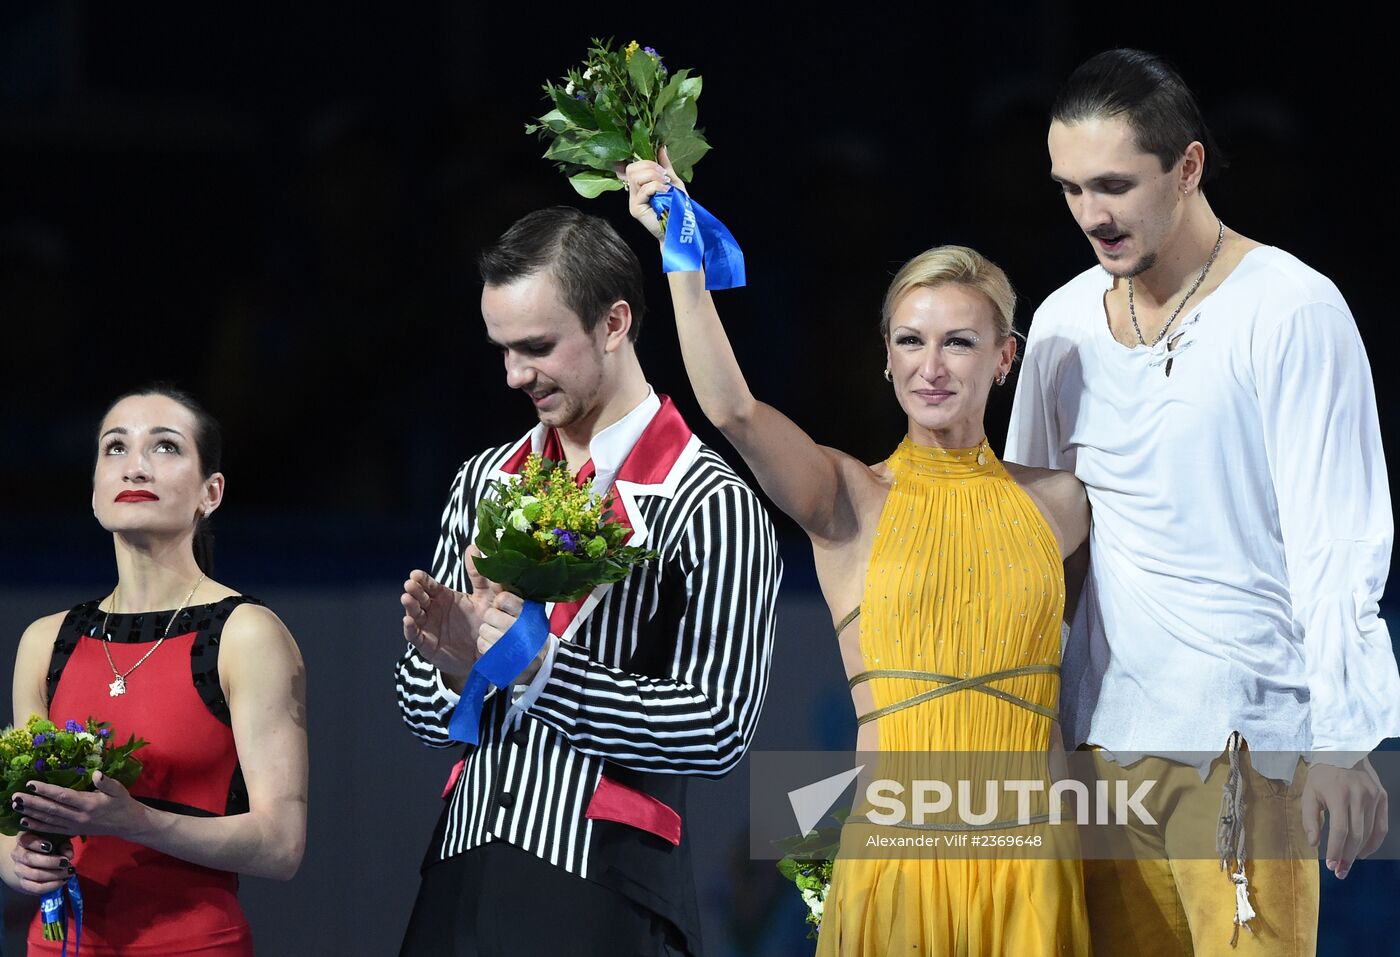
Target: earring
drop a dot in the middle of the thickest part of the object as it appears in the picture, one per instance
(889, 376)
(1000, 379)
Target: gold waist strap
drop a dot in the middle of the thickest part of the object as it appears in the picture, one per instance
(951, 684)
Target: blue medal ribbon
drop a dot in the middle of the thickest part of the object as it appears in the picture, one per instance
(51, 906)
(695, 239)
(500, 666)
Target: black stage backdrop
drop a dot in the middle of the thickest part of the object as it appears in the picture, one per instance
(279, 209)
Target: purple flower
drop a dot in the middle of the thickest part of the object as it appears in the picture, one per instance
(39, 764)
(652, 51)
(72, 726)
(104, 732)
(568, 541)
(40, 738)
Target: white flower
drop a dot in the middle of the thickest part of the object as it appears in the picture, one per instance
(528, 500)
(588, 73)
(518, 521)
(569, 88)
(814, 902)
(85, 736)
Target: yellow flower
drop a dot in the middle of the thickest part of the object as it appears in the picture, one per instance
(632, 48)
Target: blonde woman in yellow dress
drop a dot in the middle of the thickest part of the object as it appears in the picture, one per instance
(939, 564)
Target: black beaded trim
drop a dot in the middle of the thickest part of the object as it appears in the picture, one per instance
(207, 621)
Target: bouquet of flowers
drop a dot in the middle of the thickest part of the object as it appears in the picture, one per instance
(545, 538)
(808, 864)
(67, 757)
(617, 107)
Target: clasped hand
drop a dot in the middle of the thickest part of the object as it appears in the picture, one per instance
(452, 629)
(43, 864)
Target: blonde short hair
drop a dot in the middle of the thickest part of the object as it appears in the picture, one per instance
(953, 264)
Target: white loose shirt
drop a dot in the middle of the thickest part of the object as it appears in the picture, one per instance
(1241, 526)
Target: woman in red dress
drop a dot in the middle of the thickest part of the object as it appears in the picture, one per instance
(210, 678)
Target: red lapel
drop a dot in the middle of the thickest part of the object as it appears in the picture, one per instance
(649, 463)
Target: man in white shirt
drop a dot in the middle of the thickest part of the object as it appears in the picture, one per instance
(1214, 397)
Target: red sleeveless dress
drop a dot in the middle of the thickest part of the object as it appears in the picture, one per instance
(137, 901)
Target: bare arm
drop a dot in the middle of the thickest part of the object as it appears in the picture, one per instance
(264, 680)
(808, 481)
(30, 696)
(1062, 502)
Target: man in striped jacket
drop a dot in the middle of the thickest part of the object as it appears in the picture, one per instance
(564, 830)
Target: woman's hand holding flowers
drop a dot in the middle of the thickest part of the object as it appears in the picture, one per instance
(109, 809)
(40, 865)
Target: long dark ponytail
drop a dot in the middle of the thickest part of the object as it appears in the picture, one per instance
(208, 444)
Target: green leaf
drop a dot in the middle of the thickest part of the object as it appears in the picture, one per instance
(676, 120)
(641, 142)
(566, 149)
(669, 92)
(690, 87)
(608, 148)
(575, 111)
(591, 184)
(608, 114)
(685, 151)
(556, 121)
(642, 69)
(523, 542)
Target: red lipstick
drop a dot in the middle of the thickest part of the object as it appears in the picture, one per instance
(134, 495)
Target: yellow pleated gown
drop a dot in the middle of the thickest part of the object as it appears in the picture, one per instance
(963, 599)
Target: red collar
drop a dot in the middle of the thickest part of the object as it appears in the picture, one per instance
(649, 462)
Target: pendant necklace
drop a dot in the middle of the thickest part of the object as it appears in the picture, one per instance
(118, 686)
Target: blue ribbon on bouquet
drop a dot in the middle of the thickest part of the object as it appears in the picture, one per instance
(51, 906)
(500, 666)
(696, 239)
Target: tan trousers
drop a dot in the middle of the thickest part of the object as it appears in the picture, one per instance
(1173, 899)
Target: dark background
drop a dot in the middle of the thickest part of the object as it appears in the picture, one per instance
(279, 209)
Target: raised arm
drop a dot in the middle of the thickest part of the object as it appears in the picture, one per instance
(808, 481)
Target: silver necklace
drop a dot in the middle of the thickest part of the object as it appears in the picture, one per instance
(118, 686)
(1132, 313)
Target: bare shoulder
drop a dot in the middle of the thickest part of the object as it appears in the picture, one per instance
(43, 631)
(32, 659)
(255, 634)
(1052, 484)
(1061, 499)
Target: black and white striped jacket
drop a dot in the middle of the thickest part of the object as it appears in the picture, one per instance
(659, 676)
